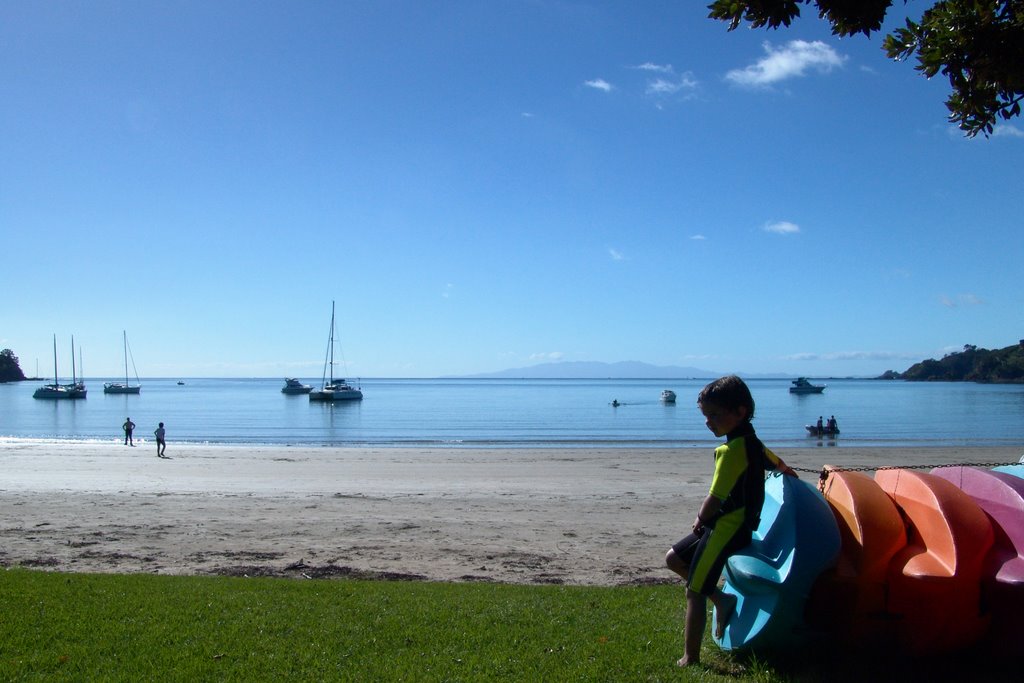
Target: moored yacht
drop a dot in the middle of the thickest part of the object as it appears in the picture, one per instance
(57, 390)
(802, 386)
(294, 386)
(126, 388)
(334, 389)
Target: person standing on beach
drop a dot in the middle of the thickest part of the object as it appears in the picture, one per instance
(128, 427)
(729, 515)
(161, 444)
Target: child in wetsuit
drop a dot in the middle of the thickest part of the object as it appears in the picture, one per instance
(729, 514)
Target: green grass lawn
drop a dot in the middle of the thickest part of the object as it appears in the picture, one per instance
(142, 627)
(79, 627)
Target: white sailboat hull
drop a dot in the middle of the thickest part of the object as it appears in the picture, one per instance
(52, 391)
(118, 388)
(336, 395)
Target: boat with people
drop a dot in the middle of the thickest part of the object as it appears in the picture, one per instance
(332, 389)
(801, 385)
(829, 428)
(668, 396)
(293, 386)
(126, 388)
(813, 430)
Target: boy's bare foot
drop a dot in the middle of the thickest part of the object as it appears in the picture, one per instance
(686, 661)
(725, 608)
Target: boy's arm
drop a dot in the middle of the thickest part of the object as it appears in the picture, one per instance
(779, 464)
(708, 510)
(785, 469)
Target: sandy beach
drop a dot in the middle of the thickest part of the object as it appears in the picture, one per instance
(563, 516)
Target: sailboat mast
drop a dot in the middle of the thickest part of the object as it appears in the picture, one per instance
(332, 342)
(74, 380)
(124, 336)
(55, 360)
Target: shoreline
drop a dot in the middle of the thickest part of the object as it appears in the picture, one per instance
(594, 516)
(845, 445)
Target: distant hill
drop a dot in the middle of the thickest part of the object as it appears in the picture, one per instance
(596, 370)
(970, 365)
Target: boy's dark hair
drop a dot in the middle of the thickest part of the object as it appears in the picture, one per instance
(729, 392)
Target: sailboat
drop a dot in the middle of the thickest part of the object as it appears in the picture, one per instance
(77, 387)
(55, 390)
(117, 387)
(332, 389)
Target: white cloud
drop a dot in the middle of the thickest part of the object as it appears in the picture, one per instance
(599, 84)
(698, 237)
(782, 228)
(669, 83)
(790, 61)
(616, 254)
(657, 68)
(1005, 130)
(547, 356)
(960, 300)
(855, 355)
(665, 86)
(448, 289)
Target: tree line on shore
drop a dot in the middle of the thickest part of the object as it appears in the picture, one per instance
(1004, 365)
(10, 370)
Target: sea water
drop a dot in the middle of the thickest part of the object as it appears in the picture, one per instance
(518, 413)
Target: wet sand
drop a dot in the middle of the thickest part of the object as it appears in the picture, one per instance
(566, 516)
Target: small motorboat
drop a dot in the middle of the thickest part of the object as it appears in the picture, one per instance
(802, 386)
(829, 428)
(294, 386)
(668, 396)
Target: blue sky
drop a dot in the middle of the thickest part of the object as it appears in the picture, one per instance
(487, 185)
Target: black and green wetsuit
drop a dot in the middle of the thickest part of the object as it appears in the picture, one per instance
(740, 465)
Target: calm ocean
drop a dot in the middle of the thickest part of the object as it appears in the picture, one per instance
(519, 413)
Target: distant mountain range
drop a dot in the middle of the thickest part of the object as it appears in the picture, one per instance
(598, 370)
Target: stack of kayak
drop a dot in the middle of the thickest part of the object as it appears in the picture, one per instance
(922, 562)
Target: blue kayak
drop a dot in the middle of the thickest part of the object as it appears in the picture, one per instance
(797, 539)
